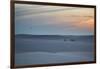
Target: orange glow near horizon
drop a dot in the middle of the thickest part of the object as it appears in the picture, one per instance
(79, 18)
(89, 23)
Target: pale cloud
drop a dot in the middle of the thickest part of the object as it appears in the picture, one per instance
(62, 18)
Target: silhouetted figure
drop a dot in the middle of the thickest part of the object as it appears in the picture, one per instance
(72, 40)
(65, 40)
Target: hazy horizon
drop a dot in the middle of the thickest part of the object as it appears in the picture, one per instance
(56, 34)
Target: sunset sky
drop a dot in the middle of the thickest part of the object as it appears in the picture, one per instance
(53, 20)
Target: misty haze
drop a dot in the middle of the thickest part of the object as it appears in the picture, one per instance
(46, 34)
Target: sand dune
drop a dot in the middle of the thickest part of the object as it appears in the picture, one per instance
(47, 57)
(53, 49)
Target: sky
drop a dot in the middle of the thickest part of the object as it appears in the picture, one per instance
(53, 20)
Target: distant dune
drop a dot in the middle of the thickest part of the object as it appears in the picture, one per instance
(77, 37)
(53, 43)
